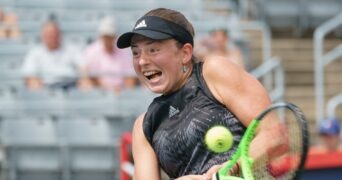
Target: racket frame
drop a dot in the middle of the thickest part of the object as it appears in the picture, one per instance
(242, 151)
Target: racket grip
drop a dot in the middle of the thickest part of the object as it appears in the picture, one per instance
(215, 176)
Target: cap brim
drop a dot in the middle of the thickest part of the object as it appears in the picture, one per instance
(124, 40)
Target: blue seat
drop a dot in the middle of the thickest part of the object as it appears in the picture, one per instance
(319, 11)
(9, 106)
(134, 102)
(13, 49)
(11, 77)
(31, 149)
(94, 103)
(281, 13)
(40, 103)
(39, 4)
(92, 154)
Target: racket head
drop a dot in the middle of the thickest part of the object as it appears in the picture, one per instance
(288, 159)
(284, 162)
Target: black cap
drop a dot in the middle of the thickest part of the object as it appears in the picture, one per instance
(155, 28)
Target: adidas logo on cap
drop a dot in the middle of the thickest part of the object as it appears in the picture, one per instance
(141, 24)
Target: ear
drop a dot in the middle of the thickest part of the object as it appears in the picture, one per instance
(187, 51)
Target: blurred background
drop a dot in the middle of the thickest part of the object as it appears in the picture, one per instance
(67, 94)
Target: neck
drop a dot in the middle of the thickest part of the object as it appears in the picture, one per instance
(184, 79)
(109, 49)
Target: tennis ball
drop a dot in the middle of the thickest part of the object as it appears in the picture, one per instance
(218, 139)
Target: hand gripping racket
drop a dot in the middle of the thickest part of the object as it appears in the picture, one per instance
(285, 165)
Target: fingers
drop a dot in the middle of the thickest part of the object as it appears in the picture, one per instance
(194, 177)
(213, 170)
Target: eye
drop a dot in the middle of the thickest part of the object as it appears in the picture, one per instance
(135, 53)
(153, 50)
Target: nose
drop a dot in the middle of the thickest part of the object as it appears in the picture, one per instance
(143, 59)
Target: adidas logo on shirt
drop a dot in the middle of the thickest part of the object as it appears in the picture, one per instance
(141, 24)
(173, 111)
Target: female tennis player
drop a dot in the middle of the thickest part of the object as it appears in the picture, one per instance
(194, 97)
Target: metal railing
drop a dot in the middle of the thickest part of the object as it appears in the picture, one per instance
(321, 60)
(266, 40)
(333, 104)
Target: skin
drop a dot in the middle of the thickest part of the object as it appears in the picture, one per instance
(162, 56)
(88, 83)
(249, 97)
(108, 43)
(2, 15)
(219, 42)
(51, 38)
(331, 142)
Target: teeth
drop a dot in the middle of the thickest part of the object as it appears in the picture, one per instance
(150, 73)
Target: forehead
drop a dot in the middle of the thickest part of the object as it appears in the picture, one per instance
(50, 28)
(219, 32)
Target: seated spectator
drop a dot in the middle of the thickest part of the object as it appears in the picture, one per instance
(329, 133)
(219, 43)
(51, 64)
(9, 28)
(107, 66)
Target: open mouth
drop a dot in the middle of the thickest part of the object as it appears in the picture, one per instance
(152, 74)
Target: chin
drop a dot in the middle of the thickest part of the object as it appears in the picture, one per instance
(156, 89)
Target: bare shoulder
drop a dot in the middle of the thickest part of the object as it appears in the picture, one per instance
(220, 66)
(219, 71)
(138, 123)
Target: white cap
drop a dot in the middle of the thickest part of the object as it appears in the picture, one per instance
(107, 26)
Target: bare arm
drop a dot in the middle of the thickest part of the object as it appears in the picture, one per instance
(130, 82)
(145, 160)
(85, 82)
(33, 83)
(245, 97)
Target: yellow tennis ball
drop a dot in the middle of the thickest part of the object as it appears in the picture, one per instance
(218, 139)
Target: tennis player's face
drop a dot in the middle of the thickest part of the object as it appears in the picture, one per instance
(158, 64)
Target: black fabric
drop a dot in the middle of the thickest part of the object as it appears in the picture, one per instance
(156, 28)
(175, 126)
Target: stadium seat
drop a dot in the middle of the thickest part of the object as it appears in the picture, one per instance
(40, 103)
(29, 15)
(93, 103)
(11, 55)
(135, 101)
(13, 48)
(39, 4)
(91, 153)
(31, 149)
(9, 106)
(87, 4)
(11, 77)
(191, 5)
(5, 3)
(319, 11)
(281, 13)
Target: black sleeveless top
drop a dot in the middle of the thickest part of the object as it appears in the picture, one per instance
(175, 126)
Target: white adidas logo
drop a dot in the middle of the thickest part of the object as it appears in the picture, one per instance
(173, 111)
(141, 24)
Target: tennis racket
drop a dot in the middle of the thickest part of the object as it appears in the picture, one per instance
(285, 165)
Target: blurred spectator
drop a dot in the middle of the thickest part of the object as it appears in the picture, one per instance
(107, 66)
(8, 25)
(329, 133)
(51, 64)
(219, 43)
